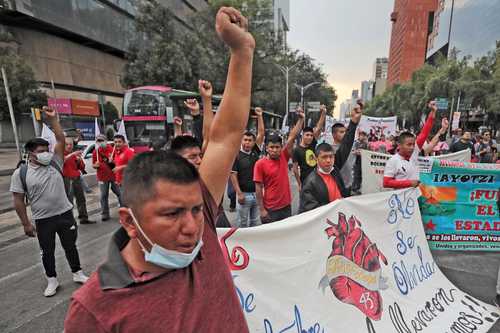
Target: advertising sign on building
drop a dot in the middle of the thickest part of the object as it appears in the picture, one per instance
(61, 105)
(87, 129)
(81, 107)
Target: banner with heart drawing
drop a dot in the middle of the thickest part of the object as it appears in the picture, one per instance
(356, 265)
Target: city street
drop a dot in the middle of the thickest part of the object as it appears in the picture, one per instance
(24, 309)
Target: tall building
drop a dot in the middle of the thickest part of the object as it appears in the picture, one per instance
(281, 18)
(79, 45)
(472, 27)
(411, 26)
(380, 68)
(367, 90)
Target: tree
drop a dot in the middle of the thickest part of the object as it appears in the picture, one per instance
(177, 56)
(24, 89)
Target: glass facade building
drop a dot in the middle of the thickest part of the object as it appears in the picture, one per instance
(469, 26)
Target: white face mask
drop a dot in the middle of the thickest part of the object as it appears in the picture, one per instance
(44, 158)
(165, 258)
(325, 172)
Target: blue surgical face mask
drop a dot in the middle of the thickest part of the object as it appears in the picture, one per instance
(162, 257)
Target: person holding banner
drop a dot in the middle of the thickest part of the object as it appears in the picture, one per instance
(401, 171)
(325, 184)
(165, 270)
(101, 161)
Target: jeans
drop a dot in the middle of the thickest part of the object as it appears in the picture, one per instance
(248, 212)
(65, 226)
(231, 194)
(74, 189)
(104, 195)
(277, 215)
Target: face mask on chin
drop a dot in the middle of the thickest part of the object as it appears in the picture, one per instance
(325, 172)
(44, 158)
(165, 258)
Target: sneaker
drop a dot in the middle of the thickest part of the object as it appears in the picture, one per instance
(497, 300)
(87, 222)
(105, 218)
(80, 277)
(51, 287)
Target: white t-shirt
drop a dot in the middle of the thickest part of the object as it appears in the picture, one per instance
(401, 169)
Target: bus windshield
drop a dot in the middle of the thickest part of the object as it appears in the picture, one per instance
(145, 103)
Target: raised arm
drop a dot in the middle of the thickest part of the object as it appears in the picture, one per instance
(435, 139)
(261, 129)
(57, 129)
(321, 122)
(177, 126)
(426, 130)
(295, 131)
(228, 125)
(344, 150)
(206, 92)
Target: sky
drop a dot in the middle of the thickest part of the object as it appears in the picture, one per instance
(344, 35)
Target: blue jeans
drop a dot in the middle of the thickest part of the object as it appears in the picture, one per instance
(104, 191)
(248, 212)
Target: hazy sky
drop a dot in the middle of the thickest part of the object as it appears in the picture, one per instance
(344, 35)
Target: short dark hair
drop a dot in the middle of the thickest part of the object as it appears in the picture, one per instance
(119, 136)
(182, 142)
(405, 135)
(308, 129)
(362, 133)
(337, 126)
(323, 147)
(274, 138)
(248, 133)
(147, 168)
(34, 143)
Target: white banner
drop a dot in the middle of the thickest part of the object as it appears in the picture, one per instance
(356, 265)
(378, 125)
(373, 165)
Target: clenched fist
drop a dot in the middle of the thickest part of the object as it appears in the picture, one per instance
(232, 28)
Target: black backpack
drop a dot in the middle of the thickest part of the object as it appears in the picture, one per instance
(23, 171)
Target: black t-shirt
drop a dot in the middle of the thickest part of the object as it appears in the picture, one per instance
(306, 159)
(459, 146)
(488, 156)
(244, 165)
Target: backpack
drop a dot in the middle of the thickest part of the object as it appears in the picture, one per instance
(23, 171)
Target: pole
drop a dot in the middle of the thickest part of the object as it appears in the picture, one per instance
(11, 111)
(36, 126)
(458, 103)
(286, 98)
(451, 115)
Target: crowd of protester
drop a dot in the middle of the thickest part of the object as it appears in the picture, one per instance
(171, 199)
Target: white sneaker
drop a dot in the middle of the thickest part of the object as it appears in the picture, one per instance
(51, 287)
(80, 277)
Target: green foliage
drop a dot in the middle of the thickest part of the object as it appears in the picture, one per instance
(24, 89)
(477, 83)
(177, 56)
(110, 113)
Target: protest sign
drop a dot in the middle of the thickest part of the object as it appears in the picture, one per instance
(373, 165)
(459, 205)
(378, 125)
(360, 264)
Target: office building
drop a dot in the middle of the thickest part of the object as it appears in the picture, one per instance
(367, 90)
(411, 26)
(380, 68)
(281, 18)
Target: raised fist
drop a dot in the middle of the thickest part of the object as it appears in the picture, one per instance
(433, 105)
(258, 111)
(51, 113)
(205, 88)
(300, 113)
(356, 113)
(322, 108)
(232, 28)
(192, 105)
(178, 121)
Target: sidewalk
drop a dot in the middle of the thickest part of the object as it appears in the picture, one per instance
(8, 161)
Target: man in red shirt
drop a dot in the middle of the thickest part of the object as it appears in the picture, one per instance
(101, 161)
(72, 168)
(121, 155)
(165, 270)
(272, 186)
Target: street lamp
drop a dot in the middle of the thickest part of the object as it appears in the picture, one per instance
(303, 89)
(286, 70)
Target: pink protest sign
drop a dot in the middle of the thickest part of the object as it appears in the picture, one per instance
(61, 105)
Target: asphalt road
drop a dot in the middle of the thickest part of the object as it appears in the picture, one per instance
(24, 309)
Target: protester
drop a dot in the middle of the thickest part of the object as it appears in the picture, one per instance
(120, 156)
(73, 165)
(360, 144)
(401, 170)
(486, 149)
(272, 185)
(165, 271)
(242, 175)
(463, 144)
(40, 180)
(101, 161)
(325, 184)
(304, 160)
(189, 148)
(338, 132)
(457, 134)
(437, 142)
